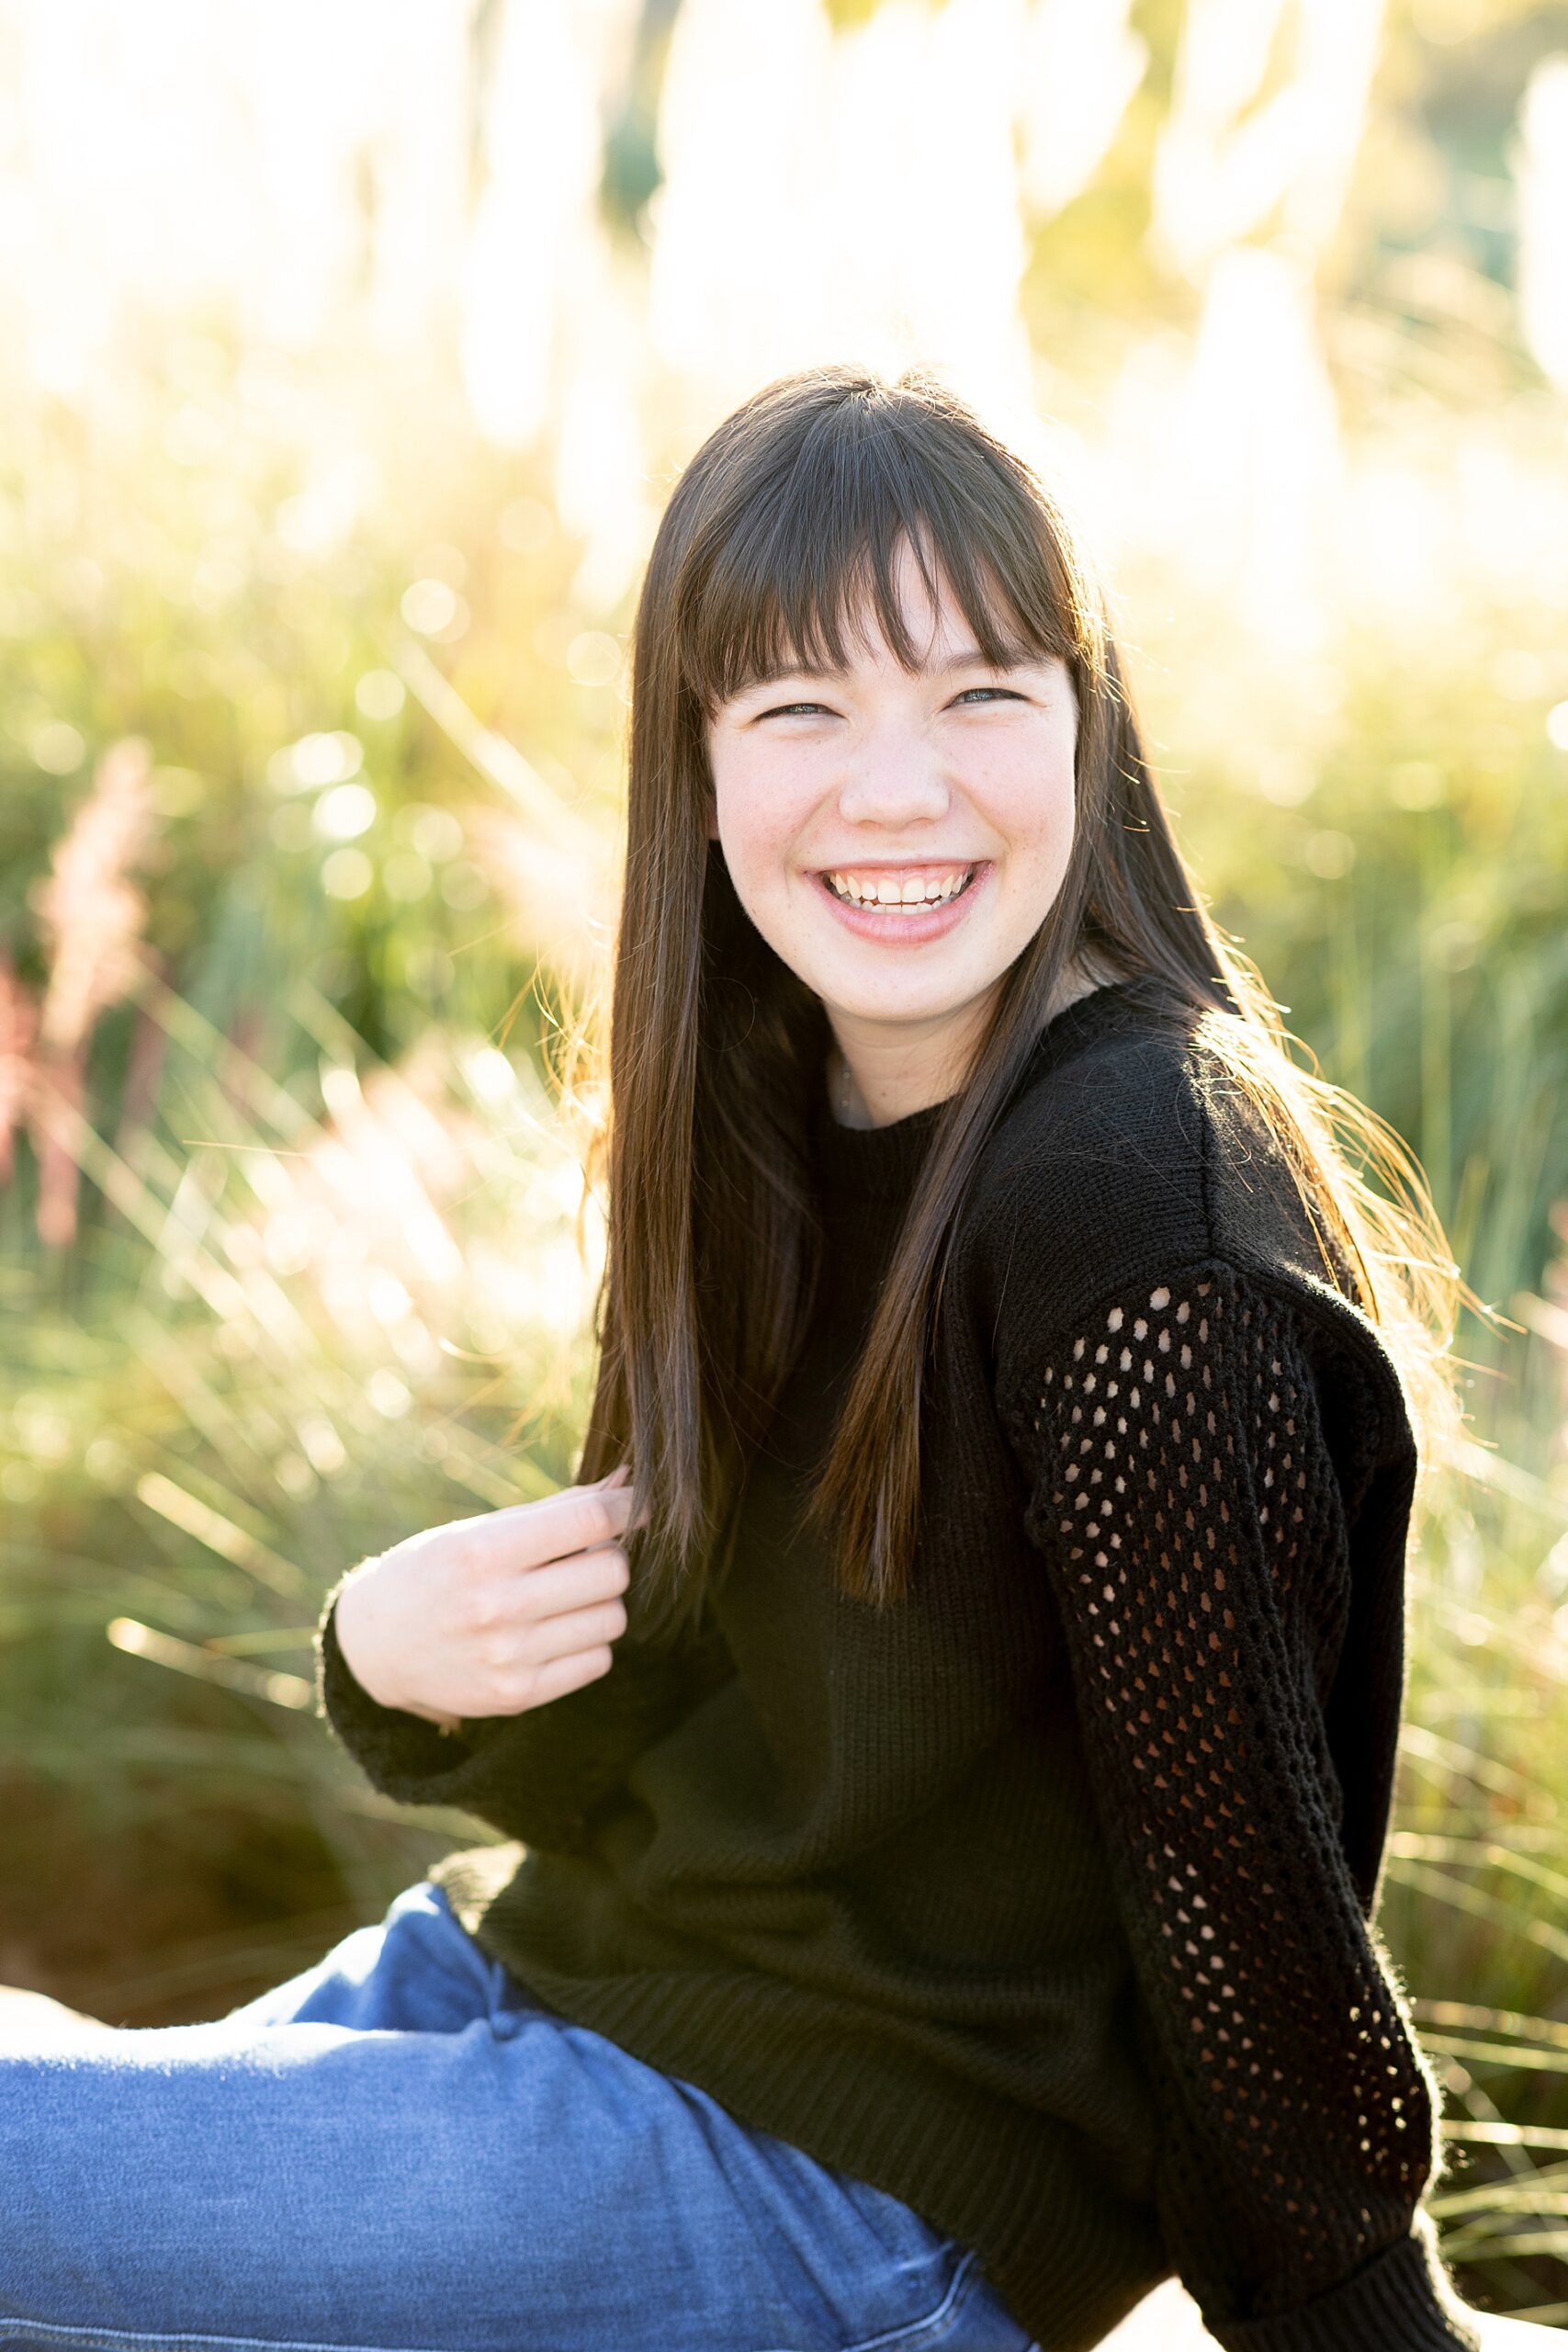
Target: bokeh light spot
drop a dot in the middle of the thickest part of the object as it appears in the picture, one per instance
(347, 874)
(57, 748)
(379, 694)
(345, 812)
(387, 1393)
(1415, 784)
(315, 761)
(1286, 778)
(593, 658)
(1329, 853)
(433, 832)
(430, 606)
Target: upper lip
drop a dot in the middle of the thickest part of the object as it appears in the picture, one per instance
(901, 865)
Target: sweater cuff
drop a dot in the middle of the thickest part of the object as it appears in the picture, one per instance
(406, 1756)
(1403, 2301)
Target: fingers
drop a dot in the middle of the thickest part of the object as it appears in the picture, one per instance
(577, 1629)
(526, 1664)
(556, 1527)
(570, 1673)
(579, 1582)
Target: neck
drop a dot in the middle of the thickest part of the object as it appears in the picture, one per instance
(862, 1096)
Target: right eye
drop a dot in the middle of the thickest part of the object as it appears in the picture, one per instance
(790, 709)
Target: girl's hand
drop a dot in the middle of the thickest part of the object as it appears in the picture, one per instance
(494, 1615)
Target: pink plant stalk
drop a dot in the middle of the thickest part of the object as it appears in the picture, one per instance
(1555, 1287)
(91, 915)
(18, 1030)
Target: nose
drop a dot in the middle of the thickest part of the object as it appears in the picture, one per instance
(894, 775)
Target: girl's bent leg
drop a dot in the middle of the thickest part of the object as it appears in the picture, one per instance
(493, 2180)
(416, 1967)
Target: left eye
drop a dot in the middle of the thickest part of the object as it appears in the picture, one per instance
(1006, 692)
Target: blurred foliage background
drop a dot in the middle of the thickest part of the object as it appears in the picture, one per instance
(352, 352)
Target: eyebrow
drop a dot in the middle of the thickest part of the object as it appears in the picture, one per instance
(968, 657)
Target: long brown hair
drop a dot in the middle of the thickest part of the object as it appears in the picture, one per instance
(782, 531)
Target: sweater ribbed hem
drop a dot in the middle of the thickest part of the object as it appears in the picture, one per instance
(1068, 2254)
(1402, 2302)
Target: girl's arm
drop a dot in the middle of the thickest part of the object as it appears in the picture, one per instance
(537, 1776)
(1190, 1519)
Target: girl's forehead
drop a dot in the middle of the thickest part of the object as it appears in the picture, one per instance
(936, 643)
(858, 631)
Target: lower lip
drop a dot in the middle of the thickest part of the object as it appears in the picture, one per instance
(931, 923)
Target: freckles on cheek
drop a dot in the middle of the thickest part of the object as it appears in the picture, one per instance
(765, 812)
(772, 830)
(757, 849)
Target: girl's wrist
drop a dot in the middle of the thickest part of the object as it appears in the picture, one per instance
(345, 1624)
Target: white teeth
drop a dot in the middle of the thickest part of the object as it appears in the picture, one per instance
(896, 894)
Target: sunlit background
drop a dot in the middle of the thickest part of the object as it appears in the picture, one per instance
(350, 352)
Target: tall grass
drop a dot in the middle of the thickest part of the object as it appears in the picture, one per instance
(302, 859)
(284, 1349)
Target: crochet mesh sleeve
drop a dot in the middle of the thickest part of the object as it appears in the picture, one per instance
(537, 1776)
(1184, 1498)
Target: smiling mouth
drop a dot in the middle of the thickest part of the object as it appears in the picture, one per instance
(900, 906)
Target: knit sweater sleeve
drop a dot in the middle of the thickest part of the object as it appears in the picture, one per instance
(538, 1776)
(1193, 1524)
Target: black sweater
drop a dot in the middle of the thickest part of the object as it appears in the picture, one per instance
(1043, 1899)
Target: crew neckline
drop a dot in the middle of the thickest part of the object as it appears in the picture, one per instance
(885, 1161)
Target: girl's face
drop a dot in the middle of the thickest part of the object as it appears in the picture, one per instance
(876, 782)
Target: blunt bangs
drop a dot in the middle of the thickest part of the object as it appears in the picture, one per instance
(802, 552)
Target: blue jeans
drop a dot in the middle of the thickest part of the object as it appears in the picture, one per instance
(400, 2148)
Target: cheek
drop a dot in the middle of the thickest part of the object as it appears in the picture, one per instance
(755, 844)
(1030, 802)
(760, 813)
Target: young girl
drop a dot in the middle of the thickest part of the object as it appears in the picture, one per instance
(944, 1744)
